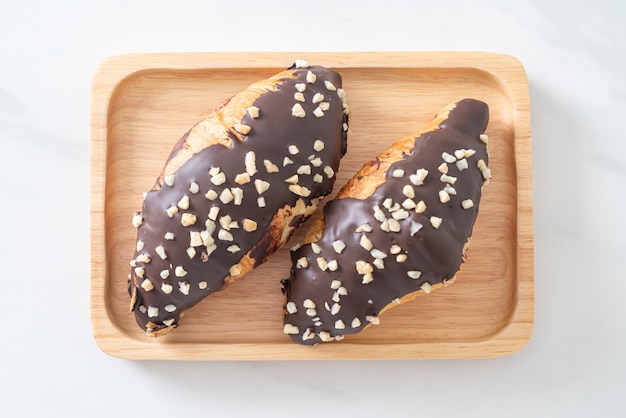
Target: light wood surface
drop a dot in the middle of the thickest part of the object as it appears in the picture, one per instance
(142, 104)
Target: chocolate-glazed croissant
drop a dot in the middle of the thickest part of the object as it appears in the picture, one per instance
(233, 190)
(399, 228)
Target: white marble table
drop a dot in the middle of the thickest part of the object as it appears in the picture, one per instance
(574, 365)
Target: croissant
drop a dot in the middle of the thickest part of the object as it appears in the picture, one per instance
(400, 228)
(233, 190)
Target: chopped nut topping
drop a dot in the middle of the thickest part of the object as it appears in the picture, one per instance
(310, 77)
(420, 207)
(298, 111)
(379, 215)
(242, 129)
(291, 329)
(261, 186)
(249, 225)
(322, 263)
(376, 253)
(153, 311)
(293, 179)
(379, 263)
(316, 248)
(324, 106)
(169, 236)
(415, 227)
(401, 258)
(468, 153)
(397, 173)
(270, 167)
(210, 195)
(462, 164)
(449, 189)
(253, 111)
(318, 97)
(172, 210)
(161, 252)
(213, 212)
(167, 288)
(188, 219)
(400, 214)
(293, 150)
(250, 163)
(363, 267)
(237, 195)
(179, 271)
(298, 96)
(316, 162)
(333, 265)
(183, 287)
(191, 252)
(339, 246)
(194, 187)
(139, 272)
(339, 324)
(444, 197)
(235, 270)
(170, 308)
(426, 287)
(388, 203)
(203, 285)
(447, 179)
(233, 248)
(329, 171)
(325, 336)
(318, 145)
(373, 319)
(301, 87)
(287, 161)
(301, 63)
(224, 235)
(304, 169)
(467, 203)
(335, 284)
(366, 243)
(356, 322)
(345, 127)
(318, 112)
(299, 190)
(213, 171)
(139, 245)
(419, 177)
(144, 258)
(364, 227)
(414, 274)
(336, 297)
(482, 166)
(394, 226)
(226, 196)
(291, 307)
(218, 179)
(329, 85)
(484, 138)
(164, 274)
(308, 335)
(395, 249)
(460, 153)
(435, 221)
(261, 202)
(169, 180)
(311, 312)
(408, 204)
(448, 158)
(302, 263)
(138, 219)
(308, 303)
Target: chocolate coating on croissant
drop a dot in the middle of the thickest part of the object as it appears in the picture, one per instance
(226, 209)
(407, 236)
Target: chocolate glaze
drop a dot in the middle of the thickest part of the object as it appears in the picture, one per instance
(436, 253)
(272, 132)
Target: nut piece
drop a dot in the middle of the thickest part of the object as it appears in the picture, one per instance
(467, 203)
(291, 329)
(253, 111)
(249, 225)
(188, 219)
(435, 221)
(339, 246)
(137, 219)
(298, 111)
(242, 129)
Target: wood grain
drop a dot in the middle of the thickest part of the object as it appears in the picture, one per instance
(142, 104)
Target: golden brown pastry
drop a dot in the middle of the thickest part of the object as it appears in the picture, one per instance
(233, 190)
(398, 229)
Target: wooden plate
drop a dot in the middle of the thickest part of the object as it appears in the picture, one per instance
(142, 104)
